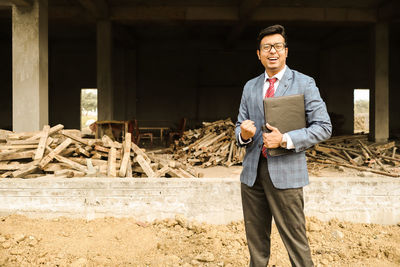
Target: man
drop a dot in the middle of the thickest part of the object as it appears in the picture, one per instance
(272, 186)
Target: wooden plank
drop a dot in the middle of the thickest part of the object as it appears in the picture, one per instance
(95, 162)
(21, 136)
(126, 156)
(52, 130)
(42, 143)
(18, 147)
(101, 149)
(54, 152)
(145, 166)
(139, 151)
(161, 172)
(52, 167)
(71, 163)
(17, 155)
(129, 169)
(82, 151)
(185, 173)
(10, 167)
(28, 169)
(23, 142)
(68, 173)
(6, 174)
(111, 166)
(74, 137)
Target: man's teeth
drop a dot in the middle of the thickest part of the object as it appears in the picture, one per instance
(273, 58)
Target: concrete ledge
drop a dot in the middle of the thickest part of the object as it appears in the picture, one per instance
(211, 200)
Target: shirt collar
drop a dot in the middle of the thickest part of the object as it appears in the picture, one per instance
(279, 75)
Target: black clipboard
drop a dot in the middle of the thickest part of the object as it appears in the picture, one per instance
(287, 113)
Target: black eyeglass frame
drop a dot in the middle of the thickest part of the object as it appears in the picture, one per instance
(273, 45)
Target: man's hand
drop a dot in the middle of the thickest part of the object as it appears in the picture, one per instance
(248, 129)
(272, 139)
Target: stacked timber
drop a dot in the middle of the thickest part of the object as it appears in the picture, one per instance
(356, 152)
(64, 153)
(213, 144)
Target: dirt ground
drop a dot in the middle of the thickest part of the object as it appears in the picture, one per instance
(177, 242)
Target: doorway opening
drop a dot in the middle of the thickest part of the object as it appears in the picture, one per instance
(361, 110)
(88, 109)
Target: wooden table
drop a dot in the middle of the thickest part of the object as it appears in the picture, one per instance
(161, 129)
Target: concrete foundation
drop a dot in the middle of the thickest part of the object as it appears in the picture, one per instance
(211, 200)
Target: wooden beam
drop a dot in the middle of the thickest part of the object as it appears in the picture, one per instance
(97, 8)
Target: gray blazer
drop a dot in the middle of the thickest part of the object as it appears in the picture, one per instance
(286, 171)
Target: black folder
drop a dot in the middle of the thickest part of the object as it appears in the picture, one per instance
(286, 113)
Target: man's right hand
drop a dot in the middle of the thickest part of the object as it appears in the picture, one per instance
(248, 129)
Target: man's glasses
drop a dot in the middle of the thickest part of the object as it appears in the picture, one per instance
(278, 47)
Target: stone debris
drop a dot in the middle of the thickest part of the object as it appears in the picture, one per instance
(57, 152)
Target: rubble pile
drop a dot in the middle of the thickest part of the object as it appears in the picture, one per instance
(354, 151)
(213, 144)
(64, 153)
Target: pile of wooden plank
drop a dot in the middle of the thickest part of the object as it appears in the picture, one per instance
(356, 152)
(64, 153)
(213, 144)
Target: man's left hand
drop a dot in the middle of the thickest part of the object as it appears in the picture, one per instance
(272, 139)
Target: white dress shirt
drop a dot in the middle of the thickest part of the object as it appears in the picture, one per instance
(278, 76)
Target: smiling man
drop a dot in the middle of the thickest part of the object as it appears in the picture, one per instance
(272, 186)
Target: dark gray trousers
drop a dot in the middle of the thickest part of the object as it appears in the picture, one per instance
(262, 202)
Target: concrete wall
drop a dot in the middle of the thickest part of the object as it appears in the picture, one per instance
(212, 200)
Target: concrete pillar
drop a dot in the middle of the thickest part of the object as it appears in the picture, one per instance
(105, 91)
(381, 103)
(30, 66)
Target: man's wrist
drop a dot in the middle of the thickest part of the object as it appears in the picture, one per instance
(243, 139)
(284, 141)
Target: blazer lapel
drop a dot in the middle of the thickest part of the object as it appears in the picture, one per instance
(284, 83)
(259, 91)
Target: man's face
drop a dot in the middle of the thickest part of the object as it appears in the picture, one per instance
(273, 60)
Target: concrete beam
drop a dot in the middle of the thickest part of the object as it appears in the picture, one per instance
(381, 118)
(246, 10)
(104, 70)
(30, 66)
(233, 14)
(16, 2)
(97, 8)
(389, 10)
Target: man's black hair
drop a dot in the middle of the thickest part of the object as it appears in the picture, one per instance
(274, 29)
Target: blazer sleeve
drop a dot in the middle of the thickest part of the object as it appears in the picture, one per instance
(319, 127)
(243, 115)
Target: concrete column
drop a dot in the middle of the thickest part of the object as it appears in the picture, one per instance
(381, 118)
(104, 70)
(30, 66)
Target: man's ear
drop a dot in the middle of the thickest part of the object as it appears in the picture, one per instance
(258, 54)
(287, 52)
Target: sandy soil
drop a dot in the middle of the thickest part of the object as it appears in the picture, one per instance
(177, 242)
